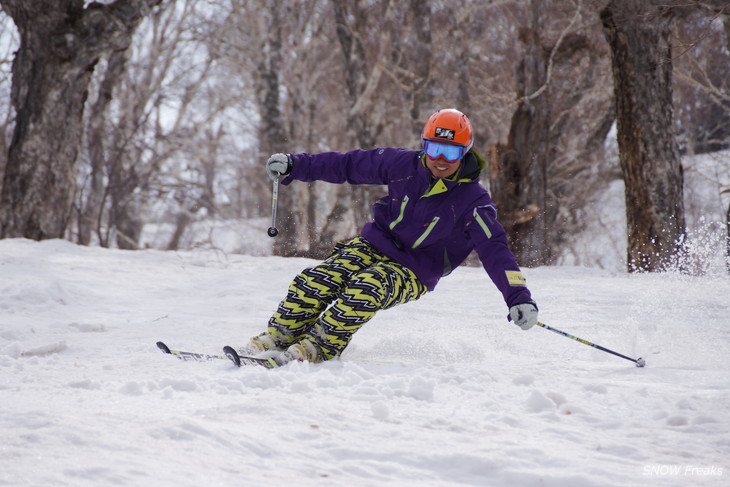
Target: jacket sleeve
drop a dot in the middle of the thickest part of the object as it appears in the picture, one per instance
(354, 167)
(490, 243)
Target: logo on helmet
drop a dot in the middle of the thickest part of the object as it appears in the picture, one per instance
(442, 133)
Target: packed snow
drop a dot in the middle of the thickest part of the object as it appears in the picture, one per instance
(439, 392)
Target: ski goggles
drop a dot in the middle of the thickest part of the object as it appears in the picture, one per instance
(451, 153)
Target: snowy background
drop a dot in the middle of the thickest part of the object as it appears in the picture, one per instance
(440, 392)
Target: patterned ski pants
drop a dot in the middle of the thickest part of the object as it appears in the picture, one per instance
(357, 282)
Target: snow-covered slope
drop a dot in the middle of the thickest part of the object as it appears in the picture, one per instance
(441, 392)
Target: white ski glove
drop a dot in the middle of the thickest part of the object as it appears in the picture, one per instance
(278, 165)
(524, 315)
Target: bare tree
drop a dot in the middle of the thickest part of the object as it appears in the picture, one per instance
(417, 66)
(362, 77)
(638, 32)
(195, 196)
(521, 182)
(61, 42)
(552, 164)
(701, 80)
(727, 227)
(260, 41)
(151, 134)
(268, 75)
(8, 35)
(321, 98)
(90, 214)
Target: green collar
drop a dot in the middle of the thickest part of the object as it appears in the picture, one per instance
(469, 170)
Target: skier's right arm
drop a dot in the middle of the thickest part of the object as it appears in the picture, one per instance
(354, 167)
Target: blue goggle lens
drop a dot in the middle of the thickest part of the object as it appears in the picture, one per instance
(452, 153)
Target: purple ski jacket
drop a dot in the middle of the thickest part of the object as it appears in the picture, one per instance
(429, 225)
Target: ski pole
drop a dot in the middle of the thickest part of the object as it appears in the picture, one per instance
(273, 232)
(640, 362)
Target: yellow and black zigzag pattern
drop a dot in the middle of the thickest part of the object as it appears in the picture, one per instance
(356, 281)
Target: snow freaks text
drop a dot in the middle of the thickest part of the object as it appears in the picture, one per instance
(682, 470)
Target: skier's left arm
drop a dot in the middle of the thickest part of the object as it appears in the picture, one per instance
(490, 243)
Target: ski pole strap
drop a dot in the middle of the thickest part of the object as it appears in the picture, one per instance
(640, 362)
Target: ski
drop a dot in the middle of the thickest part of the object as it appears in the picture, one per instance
(229, 354)
(241, 360)
(198, 357)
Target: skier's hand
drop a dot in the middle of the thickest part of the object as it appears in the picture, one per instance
(524, 315)
(278, 165)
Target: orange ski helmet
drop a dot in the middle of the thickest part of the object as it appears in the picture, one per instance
(449, 126)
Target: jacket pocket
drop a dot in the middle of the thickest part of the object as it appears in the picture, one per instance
(427, 232)
(400, 216)
(478, 218)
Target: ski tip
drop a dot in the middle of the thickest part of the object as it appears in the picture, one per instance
(640, 362)
(163, 347)
(232, 354)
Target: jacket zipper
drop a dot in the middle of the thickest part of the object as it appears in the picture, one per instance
(402, 210)
(425, 234)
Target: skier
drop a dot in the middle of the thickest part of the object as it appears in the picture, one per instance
(435, 213)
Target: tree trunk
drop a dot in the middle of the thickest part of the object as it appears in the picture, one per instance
(638, 33)
(123, 212)
(274, 137)
(90, 209)
(727, 261)
(361, 81)
(183, 220)
(520, 185)
(60, 44)
(421, 89)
